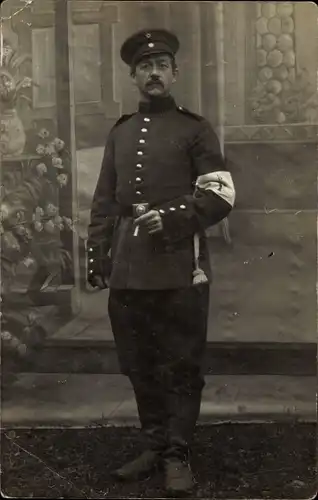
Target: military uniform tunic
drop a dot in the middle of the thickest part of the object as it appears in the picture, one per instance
(170, 158)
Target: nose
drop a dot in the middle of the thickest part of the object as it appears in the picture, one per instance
(154, 71)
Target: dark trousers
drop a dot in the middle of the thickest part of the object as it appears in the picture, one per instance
(160, 337)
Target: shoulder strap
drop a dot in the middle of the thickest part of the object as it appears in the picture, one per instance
(123, 118)
(186, 111)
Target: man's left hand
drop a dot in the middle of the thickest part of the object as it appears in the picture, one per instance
(151, 220)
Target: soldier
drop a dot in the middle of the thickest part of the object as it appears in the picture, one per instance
(163, 181)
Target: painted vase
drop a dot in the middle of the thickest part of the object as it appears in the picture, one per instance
(12, 134)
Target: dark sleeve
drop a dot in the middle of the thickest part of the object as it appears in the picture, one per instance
(214, 192)
(104, 210)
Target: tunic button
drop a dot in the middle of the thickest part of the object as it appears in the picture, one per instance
(91, 271)
(144, 130)
(172, 209)
(182, 207)
(91, 260)
(161, 211)
(140, 153)
(90, 250)
(139, 165)
(138, 179)
(142, 141)
(138, 192)
(146, 119)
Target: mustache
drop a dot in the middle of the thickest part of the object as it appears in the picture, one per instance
(153, 81)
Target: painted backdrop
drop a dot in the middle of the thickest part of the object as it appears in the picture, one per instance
(251, 69)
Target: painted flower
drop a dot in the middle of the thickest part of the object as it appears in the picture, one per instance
(11, 242)
(7, 51)
(41, 169)
(28, 262)
(26, 82)
(58, 221)
(51, 210)
(28, 234)
(43, 133)
(4, 212)
(7, 88)
(39, 211)
(6, 335)
(49, 227)
(57, 162)
(20, 230)
(38, 214)
(50, 149)
(38, 226)
(8, 84)
(59, 144)
(62, 179)
(68, 222)
(40, 149)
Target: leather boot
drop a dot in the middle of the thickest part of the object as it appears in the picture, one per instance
(184, 411)
(179, 481)
(138, 468)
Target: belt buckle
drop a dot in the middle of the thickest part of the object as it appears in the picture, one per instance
(140, 209)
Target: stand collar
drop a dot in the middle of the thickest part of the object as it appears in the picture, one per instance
(157, 105)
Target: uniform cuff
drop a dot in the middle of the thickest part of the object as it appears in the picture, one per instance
(179, 217)
(98, 261)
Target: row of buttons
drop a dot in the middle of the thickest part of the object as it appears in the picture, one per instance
(91, 261)
(172, 209)
(140, 153)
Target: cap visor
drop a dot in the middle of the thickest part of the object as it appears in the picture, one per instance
(151, 52)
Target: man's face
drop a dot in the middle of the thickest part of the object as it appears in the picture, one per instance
(154, 75)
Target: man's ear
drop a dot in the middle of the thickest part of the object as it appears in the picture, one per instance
(175, 74)
(133, 75)
(133, 78)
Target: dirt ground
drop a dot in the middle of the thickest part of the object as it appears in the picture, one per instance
(229, 461)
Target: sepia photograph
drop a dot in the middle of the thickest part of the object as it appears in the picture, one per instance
(158, 218)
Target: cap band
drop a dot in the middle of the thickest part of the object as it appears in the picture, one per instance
(152, 48)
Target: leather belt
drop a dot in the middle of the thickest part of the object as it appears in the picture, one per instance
(126, 211)
(134, 210)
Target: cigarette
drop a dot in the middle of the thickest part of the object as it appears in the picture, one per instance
(136, 231)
